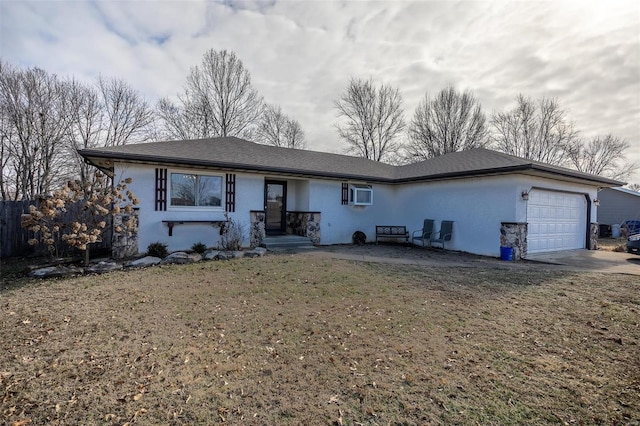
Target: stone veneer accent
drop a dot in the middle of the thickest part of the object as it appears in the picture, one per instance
(257, 232)
(122, 244)
(514, 235)
(306, 224)
(593, 235)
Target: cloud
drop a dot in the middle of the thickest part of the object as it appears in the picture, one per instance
(302, 54)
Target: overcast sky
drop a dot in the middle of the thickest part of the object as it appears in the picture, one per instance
(301, 54)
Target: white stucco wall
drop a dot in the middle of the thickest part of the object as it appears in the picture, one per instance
(477, 205)
(339, 221)
(249, 196)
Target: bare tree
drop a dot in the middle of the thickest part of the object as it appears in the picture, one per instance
(634, 187)
(276, 129)
(86, 124)
(602, 156)
(127, 114)
(534, 130)
(450, 122)
(218, 100)
(374, 119)
(34, 121)
(44, 119)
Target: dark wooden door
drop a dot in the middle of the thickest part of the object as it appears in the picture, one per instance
(275, 206)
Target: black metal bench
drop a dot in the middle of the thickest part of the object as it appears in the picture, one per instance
(391, 232)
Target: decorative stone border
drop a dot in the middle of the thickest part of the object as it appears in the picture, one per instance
(178, 257)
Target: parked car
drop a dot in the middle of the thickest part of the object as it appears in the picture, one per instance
(632, 230)
(631, 227)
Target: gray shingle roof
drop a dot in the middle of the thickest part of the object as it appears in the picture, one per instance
(239, 154)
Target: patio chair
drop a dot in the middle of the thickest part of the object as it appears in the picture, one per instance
(423, 235)
(445, 233)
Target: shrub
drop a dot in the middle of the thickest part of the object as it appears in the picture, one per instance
(199, 247)
(158, 249)
(100, 203)
(231, 234)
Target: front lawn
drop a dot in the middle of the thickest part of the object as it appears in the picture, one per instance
(297, 339)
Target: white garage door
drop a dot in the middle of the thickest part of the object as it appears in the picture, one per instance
(557, 221)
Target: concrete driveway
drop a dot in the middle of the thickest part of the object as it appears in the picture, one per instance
(591, 260)
(573, 260)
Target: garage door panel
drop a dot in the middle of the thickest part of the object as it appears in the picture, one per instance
(556, 221)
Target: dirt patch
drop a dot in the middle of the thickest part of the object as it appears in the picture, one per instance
(295, 339)
(612, 244)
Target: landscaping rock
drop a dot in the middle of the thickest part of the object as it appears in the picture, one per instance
(55, 272)
(260, 251)
(211, 255)
(102, 267)
(181, 257)
(224, 256)
(142, 262)
(251, 254)
(237, 254)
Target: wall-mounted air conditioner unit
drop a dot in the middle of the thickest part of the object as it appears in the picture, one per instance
(360, 195)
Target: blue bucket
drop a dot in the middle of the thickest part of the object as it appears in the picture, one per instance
(506, 253)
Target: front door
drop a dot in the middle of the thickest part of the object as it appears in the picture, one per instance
(275, 206)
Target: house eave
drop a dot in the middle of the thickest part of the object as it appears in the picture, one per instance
(105, 161)
(102, 161)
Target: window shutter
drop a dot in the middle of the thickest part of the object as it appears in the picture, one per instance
(161, 189)
(230, 193)
(345, 194)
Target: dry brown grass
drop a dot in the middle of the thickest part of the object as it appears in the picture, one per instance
(295, 339)
(612, 244)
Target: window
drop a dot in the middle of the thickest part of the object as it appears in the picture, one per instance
(196, 190)
(361, 195)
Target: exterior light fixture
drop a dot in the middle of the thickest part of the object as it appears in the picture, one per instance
(525, 195)
(596, 202)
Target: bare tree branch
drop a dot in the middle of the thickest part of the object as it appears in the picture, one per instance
(34, 123)
(218, 100)
(86, 124)
(602, 156)
(450, 122)
(276, 129)
(537, 131)
(374, 119)
(127, 114)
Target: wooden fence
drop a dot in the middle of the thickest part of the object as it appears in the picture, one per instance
(14, 239)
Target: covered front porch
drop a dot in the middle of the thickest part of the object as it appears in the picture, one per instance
(286, 212)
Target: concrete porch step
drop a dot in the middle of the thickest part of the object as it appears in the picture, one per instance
(280, 242)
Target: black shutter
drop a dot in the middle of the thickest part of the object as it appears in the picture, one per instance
(161, 189)
(231, 193)
(345, 194)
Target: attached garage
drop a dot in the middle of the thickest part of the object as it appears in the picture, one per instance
(556, 221)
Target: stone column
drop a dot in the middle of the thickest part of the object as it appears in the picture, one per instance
(313, 227)
(124, 243)
(593, 235)
(514, 235)
(257, 232)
